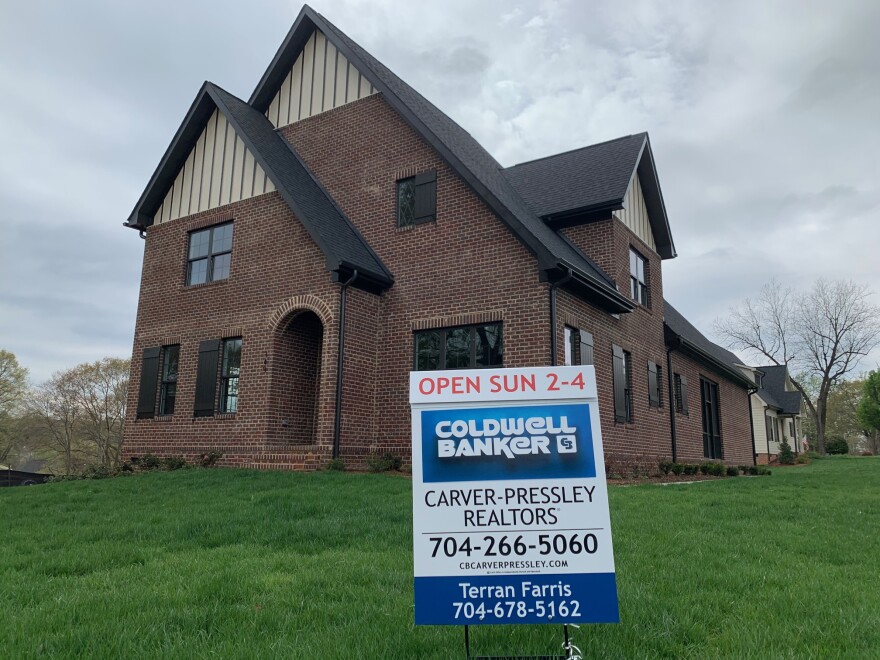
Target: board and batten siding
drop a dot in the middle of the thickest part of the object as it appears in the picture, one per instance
(218, 171)
(634, 213)
(321, 79)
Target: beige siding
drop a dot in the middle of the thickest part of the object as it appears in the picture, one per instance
(321, 79)
(220, 169)
(635, 215)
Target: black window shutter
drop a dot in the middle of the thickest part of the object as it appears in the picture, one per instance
(683, 392)
(586, 347)
(149, 383)
(653, 385)
(206, 378)
(426, 197)
(619, 374)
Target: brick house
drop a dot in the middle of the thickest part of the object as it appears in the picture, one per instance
(306, 249)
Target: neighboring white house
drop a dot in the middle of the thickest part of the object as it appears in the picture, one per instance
(777, 409)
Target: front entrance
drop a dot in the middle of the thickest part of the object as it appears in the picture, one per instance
(296, 380)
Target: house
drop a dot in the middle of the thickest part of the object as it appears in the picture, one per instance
(777, 409)
(306, 248)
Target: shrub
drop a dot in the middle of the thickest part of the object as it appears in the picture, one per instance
(759, 470)
(210, 459)
(150, 462)
(174, 462)
(98, 472)
(812, 455)
(867, 453)
(384, 463)
(786, 455)
(802, 460)
(691, 469)
(706, 468)
(677, 468)
(744, 469)
(836, 444)
(732, 471)
(336, 465)
(715, 469)
(666, 467)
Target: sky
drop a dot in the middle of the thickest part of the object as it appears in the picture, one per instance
(764, 120)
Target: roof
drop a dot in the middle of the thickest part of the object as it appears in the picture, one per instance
(459, 149)
(695, 343)
(344, 248)
(774, 393)
(594, 179)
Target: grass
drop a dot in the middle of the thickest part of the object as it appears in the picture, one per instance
(235, 564)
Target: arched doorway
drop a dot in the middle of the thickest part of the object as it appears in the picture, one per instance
(296, 379)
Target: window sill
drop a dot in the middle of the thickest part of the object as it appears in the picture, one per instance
(214, 417)
(411, 227)
(203, 285)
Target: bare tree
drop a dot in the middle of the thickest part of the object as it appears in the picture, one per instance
(100, 391)
(823, 332)
(54, 404)
(13, 385)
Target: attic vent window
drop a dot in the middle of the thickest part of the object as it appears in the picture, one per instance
(417, 199)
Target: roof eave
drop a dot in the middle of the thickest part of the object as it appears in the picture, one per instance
(701, 355)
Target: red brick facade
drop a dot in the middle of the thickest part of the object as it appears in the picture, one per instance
(466, 267)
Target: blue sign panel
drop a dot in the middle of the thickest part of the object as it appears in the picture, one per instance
(545, 598)
(514, 442)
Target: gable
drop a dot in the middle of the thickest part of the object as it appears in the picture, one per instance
(219, 170)
(320, 79)
(634, 213)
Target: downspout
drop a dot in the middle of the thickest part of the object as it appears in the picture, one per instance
(340, 360)
(753, 390)
(553, 347)
(671, 381)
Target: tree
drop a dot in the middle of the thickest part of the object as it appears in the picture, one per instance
(100, 390)
(823, 332)
(869, 410)
(13, 385)
(54, 404)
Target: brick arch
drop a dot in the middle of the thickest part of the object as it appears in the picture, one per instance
(299, 304)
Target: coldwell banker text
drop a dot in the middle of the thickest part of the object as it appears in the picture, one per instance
(505, 436)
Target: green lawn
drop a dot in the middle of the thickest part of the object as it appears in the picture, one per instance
(225, 563)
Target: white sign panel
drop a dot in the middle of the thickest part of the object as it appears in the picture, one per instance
(510, 503)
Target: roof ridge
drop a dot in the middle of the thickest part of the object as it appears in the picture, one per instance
(571, 151)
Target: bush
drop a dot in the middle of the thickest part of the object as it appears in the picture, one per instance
(836, 445)
(706, 468)
(677, 468)
(802, 460)
(786, 455)
(666, 467)
(732, 471)
(174, 463)
(384, 462)
(812, 455)
(150, 462)
(744, 468)
(691, 469)
(867, 453)
(210, 459)
(759, 470)
(336, 465)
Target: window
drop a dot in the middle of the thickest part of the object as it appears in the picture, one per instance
(622, 374)
(570, 336)
(417, 199)
(711, 419)
(638, 279)
(466, 347)
(759, 379)
(681, 393)
(210, 254)
(168, 390)
(229, 375)
(578, 346)
(655, 385)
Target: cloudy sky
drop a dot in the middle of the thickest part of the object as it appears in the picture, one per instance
(763, 118)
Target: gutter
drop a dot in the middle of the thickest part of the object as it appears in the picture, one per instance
(553, 286)
(340, 361)
(753, 390)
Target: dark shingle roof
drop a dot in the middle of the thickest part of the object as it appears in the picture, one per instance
(773, 390)
(592, 177)
(463, 153)
(713, 354)
(343, 246)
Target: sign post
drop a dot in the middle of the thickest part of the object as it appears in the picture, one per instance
(510, 503)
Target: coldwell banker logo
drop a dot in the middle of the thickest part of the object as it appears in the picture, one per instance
(513, 442)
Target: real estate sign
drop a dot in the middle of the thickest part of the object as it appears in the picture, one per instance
(510, 504)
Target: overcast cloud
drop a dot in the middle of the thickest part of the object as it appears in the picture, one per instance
(763, 119)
